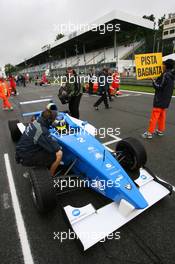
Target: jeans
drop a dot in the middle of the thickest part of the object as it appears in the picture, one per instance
(74, 105)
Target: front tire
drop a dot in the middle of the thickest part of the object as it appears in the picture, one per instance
(43, 192)
(131, 154)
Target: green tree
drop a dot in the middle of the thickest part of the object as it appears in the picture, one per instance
(151, 17)
(156, 35)
(159, 33)
(10, 69)
(160, 22)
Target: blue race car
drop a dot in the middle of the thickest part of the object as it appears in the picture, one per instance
(120, 176)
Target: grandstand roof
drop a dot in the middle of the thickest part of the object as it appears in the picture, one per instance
(92, 39)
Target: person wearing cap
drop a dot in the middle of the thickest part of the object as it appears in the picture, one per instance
(36, 146)
(164, 86)
(5, 93)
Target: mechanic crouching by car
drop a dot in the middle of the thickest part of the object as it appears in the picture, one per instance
(36, 146)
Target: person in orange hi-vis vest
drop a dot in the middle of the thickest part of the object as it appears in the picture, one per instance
(5, 93)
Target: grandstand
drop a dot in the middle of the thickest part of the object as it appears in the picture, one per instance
(88, 48)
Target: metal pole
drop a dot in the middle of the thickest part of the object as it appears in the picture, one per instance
(162, 46)
(154, 40)
(115, 49)
(173, 45)
(133, 51)
(158, 45)
(104, 54)
(76, 50)
(84, 54)
(49, 55)
(65, 57)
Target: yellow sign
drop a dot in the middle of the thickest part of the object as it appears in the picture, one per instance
(148, 65)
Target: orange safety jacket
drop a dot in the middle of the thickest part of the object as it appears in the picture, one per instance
(4, 89)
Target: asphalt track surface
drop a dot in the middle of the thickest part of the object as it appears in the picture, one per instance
(149, 238)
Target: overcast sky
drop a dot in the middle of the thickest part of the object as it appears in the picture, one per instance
(28, 25)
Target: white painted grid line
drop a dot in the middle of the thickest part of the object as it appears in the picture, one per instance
(28, 259)
(35, 101)
(137, 92)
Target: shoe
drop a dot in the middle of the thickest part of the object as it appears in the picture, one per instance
(108, 107)
(119, 93)
(5, 108)
(159, 133)
(96, 107)
(11, 108)
(147, 135)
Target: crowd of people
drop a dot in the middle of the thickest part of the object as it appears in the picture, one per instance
(8, 87)
(33, 149)
(105, 83)
(163, 86)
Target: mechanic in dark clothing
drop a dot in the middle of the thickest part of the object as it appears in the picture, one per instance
(109, 84)
(90, 82)
(164, 86)
(103, 88)
(74, 92)
(36, 146)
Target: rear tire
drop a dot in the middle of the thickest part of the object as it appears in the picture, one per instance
(43, 192)
(131, 154)
(14, 130)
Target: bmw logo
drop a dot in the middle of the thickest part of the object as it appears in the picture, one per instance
(108, 165)
(143, 177)
(76, 212)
